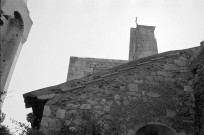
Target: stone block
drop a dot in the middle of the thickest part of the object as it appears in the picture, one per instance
(131, 93)
(186, 76)
(67, 122)
(53, 124)
(158, 78)
(182, 133)
(89, 70)
(167, 79)
(116, 96)
(144, 99)
(149, 78)
(93, 102)
(107, 91)
(170, 67)
(152, 94)
(71, 112)
(53, 108)
(64, 87)
(187, 103)
(133, 87)
(118, 102)
(70, 106)
(83, 96)
(180, 62)
(85, 106)
(138, 81)
(187, 88)
(183, 58)
(54, 100)
(106, 108)
(60, 113)
(103, 101)
(184, 70)
(107, 117)
(133, 98)
(46, 111)
(45, 121)
(154, 73)
(99, 113)
(125, 102)
(122, 87)
(163, 73)
(46, 96)
(170, 113)
(180, 92)
(98, 107)
(77, 121)
(110, 103)
(131, 132)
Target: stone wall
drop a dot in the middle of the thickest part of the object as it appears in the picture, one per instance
(154, 91)
(197, 67)
(80, 67)
(142, 44)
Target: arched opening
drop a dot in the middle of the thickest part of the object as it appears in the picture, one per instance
(19, 18)
(155, 129)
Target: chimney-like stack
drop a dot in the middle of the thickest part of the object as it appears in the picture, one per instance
(142, 42)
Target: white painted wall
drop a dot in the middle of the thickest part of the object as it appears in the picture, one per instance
(9, 7)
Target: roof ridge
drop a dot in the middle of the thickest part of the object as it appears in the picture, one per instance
(81, 82)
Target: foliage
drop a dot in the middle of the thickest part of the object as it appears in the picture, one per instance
(24, 129)
(87, 126)
(30, 118)
(3, 129)
(21, 128)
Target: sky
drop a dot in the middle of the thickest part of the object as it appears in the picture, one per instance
(97, 29)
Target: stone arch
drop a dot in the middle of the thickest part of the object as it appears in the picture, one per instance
(154, 128)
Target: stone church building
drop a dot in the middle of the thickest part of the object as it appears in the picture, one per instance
(149, 94)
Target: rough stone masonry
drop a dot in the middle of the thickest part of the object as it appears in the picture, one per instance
(158, 94)
(142, 44)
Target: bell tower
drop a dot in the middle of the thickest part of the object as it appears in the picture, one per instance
(142, 42)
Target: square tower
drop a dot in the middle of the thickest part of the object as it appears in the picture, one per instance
(142, 42)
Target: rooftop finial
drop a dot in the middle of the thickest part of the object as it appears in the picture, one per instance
(136, 21)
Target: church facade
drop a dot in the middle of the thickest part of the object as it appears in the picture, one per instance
(150, 93)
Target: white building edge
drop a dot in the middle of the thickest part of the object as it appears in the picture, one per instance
(15, 27)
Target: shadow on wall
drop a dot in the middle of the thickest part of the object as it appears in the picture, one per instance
(155, 129)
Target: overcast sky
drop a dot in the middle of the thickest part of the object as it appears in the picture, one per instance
(98, 29)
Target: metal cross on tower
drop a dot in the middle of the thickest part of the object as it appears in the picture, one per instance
(136, 21)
